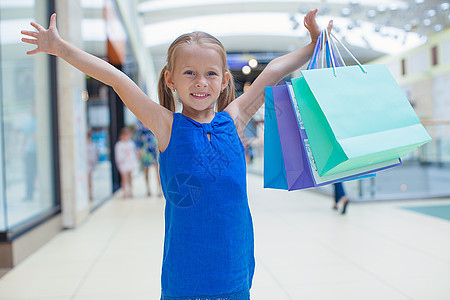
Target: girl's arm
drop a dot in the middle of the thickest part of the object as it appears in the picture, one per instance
(244, 107)
(157, 118)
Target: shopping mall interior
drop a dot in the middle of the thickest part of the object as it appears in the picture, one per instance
(67, 231)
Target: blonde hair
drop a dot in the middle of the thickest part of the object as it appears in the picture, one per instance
(200, 38)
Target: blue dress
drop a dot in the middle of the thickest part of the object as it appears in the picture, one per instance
(208, 244)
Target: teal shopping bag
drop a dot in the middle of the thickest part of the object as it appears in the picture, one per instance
(274, 171)
(354, 118)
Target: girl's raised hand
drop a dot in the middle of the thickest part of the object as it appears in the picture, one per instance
(46, 40)
(312, 26)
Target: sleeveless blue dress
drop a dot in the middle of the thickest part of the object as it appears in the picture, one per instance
(208, 244)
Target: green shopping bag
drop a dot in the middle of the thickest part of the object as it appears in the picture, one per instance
(356, 116)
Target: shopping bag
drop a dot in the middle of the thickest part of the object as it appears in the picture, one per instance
(356, 116)
(297, 169)
(274, 171)
(301, 172)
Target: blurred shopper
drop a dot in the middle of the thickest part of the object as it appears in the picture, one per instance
(147, 146)
(339, 196)
(92, 160)
(126, 161)
(208, 244)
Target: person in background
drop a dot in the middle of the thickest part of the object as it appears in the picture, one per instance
(92, 160)
(126, 161)
(339, 196)
(147, 146)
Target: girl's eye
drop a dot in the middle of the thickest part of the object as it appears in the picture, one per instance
(212, 73)
(189, 73)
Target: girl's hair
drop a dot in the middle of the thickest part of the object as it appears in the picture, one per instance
(203, 39)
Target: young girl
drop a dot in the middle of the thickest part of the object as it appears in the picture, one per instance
(208, 247)
(126, 161)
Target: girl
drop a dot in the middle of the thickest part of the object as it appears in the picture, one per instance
(208, 246)
(125, 156)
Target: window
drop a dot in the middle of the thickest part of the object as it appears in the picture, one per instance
(26, 123)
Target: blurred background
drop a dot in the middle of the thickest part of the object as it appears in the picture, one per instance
(54, 118)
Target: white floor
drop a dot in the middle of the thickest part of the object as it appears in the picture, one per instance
(304, 250)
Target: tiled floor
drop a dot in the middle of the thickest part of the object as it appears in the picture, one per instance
(304, 250)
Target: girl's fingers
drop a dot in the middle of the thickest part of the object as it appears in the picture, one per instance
(53, 21)
(30, 33)
(37, 26)
(330, 26)
(33, 51)
(311, 15)
(30, 41)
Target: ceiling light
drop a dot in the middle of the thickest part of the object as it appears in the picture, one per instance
(430, 13)
(371, 13)
(406, 7)
(303, 10)
(253, 63)
(381, 8)
(438, 27)
(393, 7)
(444, 6)
(324, 10)
(419, 1)
(426, 22)
(246, 70)
(345, 12)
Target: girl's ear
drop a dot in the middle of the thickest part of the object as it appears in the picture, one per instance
(225, 80)
(168, 79)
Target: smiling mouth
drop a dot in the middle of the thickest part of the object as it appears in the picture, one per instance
(200, 95)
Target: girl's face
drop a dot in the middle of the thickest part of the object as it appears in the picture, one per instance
(198, 77)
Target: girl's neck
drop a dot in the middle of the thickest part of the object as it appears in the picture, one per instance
(205, 116)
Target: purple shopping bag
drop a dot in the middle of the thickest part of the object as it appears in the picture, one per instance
(298, 172)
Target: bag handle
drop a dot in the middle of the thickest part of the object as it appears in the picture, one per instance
(348, 51)
(314, 59)
(328, 49)
(335, 48)
(333, 64)
(321, 53)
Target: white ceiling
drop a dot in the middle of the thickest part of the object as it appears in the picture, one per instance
(369, 28)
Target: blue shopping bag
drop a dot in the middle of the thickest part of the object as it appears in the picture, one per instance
(274, 171)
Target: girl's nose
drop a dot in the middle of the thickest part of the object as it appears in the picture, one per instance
(201, 83)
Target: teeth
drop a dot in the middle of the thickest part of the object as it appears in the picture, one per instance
(199, 95)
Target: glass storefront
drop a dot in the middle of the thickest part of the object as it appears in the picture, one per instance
(99, 154)
(26, 119)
